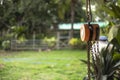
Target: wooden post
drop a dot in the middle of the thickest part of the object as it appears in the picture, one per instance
(58, 40)
(34, 40)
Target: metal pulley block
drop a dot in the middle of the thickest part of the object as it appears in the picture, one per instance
(89, 32)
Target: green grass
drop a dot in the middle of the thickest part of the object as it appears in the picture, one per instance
(52, 65)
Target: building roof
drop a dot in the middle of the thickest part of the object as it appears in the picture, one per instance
(76, 26)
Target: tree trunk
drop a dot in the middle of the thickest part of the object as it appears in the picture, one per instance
(72, 18)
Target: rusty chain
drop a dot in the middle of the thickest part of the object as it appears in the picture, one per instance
(89, 18)
(90, 48)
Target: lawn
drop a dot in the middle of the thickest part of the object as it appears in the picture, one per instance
(46, 65)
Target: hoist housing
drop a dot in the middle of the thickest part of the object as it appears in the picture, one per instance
(89, 32)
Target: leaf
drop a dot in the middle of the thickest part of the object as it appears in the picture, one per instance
(116, 56)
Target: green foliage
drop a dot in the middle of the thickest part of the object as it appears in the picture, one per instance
(76, 43)
(106, 65)
(64, 10)
(63, 6)
(6, 45)
(37, 16)
(18, 31)
(108, 10)
(115, 33)
(50, 41)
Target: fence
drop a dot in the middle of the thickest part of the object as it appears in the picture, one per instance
(28, 45)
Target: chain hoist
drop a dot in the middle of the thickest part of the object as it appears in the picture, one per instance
(90, 33)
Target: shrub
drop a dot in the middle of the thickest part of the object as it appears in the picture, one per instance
(6, 45)
(76, 43)
(106, 66)
(73, 41)
(115, 33)
(50, 41)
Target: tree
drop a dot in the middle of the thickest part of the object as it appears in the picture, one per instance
(70, 11)
(28, 13)
(108, 10)
(37, 16)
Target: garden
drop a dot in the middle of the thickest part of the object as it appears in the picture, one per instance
(43, 39)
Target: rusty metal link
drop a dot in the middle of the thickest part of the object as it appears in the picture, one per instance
(89, 43)
(95, 54)
(93, 51)
(91, 47)
(98, 47)
(88, 11)
(95, 48)
(88, 57)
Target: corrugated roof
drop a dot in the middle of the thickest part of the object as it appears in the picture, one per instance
(76, 26)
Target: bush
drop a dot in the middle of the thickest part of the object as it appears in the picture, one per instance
(50, 41)
(6, 45)
(115, 33)
(76, 43)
